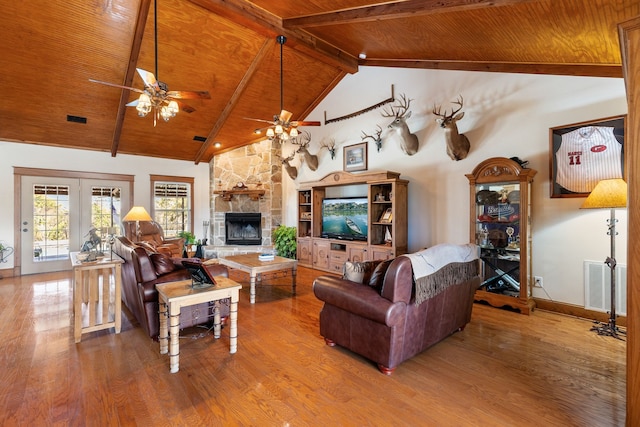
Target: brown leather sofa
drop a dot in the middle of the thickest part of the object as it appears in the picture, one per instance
(141, 272)
(386, 325)
(152, 233)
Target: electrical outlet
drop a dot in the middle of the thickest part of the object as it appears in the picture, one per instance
(537, 282)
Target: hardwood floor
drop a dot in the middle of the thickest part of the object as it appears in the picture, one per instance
(504, 369)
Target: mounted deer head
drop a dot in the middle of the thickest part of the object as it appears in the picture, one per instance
(377, 139)
(399, 131)
(331, 146)
(292, 171)
(457, 144)
(303, 140)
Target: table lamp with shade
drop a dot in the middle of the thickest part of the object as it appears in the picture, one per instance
(137, 214)
(609, 194)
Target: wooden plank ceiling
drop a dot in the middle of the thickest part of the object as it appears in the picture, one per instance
(50, 50)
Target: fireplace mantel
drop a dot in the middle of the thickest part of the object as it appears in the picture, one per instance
(227, 195)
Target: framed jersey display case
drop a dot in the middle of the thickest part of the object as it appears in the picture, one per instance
(584, 153)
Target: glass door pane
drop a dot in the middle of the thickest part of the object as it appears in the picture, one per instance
(106, 208)
(50, 222)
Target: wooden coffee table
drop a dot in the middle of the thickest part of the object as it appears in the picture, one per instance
(174, 295)
(250, 263)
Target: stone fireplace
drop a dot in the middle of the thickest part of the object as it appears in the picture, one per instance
(243, 228)
(258, 167)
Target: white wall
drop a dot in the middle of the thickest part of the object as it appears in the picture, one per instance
(505, 115)
(37, 156)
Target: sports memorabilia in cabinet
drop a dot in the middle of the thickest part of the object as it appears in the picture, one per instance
(500, 224)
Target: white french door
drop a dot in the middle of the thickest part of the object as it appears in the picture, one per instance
(57, 214)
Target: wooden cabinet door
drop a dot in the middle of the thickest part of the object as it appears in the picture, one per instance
(357, 253)
(381, 253)
(304, 252)
(320, 254)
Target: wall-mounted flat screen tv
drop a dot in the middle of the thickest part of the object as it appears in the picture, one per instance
(345, 218)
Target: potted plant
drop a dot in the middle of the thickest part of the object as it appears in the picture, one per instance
(189, 237)
(285, 241)
(189, 241)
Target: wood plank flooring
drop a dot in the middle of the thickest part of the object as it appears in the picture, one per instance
(504, 369)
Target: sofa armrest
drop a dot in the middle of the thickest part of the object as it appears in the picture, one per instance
(358, 299)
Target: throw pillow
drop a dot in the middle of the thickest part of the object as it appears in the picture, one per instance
(359, 272)
(377, 278)
(163, 263)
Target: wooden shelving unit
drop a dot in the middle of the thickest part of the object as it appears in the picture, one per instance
(387, 237)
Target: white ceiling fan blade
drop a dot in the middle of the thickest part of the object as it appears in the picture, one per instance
(133, 103)
(148, 78)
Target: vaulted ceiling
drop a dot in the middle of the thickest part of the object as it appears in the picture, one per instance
(51, 50)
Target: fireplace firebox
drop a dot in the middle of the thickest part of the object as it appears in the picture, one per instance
(243, 228)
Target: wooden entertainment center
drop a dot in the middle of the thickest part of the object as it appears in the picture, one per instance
(386, 220)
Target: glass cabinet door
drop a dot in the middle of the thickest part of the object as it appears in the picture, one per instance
(498, 235)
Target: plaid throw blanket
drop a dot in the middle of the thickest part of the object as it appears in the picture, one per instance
(440, 266)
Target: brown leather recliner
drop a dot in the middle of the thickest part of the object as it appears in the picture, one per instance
(140, 275)
(152, 233)
(387, 326)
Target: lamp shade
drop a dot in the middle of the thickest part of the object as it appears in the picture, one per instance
(608, 194)
(137, 213)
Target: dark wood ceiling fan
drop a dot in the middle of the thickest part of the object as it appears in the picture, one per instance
(156, 95)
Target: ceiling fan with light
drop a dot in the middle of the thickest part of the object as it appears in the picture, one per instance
(156, 95)
(282, 127)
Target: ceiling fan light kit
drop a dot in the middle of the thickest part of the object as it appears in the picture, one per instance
(156, 96)
(282, 127)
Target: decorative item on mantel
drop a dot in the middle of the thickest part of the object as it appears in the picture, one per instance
(240, 188)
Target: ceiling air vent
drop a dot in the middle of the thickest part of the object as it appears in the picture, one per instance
(76, 119)
(200, 138)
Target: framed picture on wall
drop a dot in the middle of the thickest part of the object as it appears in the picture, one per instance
(582, 154)
(355, 157)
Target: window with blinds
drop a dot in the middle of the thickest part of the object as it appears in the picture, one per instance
(172, 206)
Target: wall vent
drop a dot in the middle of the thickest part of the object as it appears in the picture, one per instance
(597, 287)
(200, 138)
(76, 119)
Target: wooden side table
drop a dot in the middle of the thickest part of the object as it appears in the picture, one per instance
(175, 295)
(92, 287)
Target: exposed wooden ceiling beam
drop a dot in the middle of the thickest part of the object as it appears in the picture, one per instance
(585, 70)
(233, 101)
(261, 21)
(391, 10)
(141, 21)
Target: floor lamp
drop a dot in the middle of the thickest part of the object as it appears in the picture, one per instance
(137, 214)
(609, 194)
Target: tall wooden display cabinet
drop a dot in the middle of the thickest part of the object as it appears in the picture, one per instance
(500, 200)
